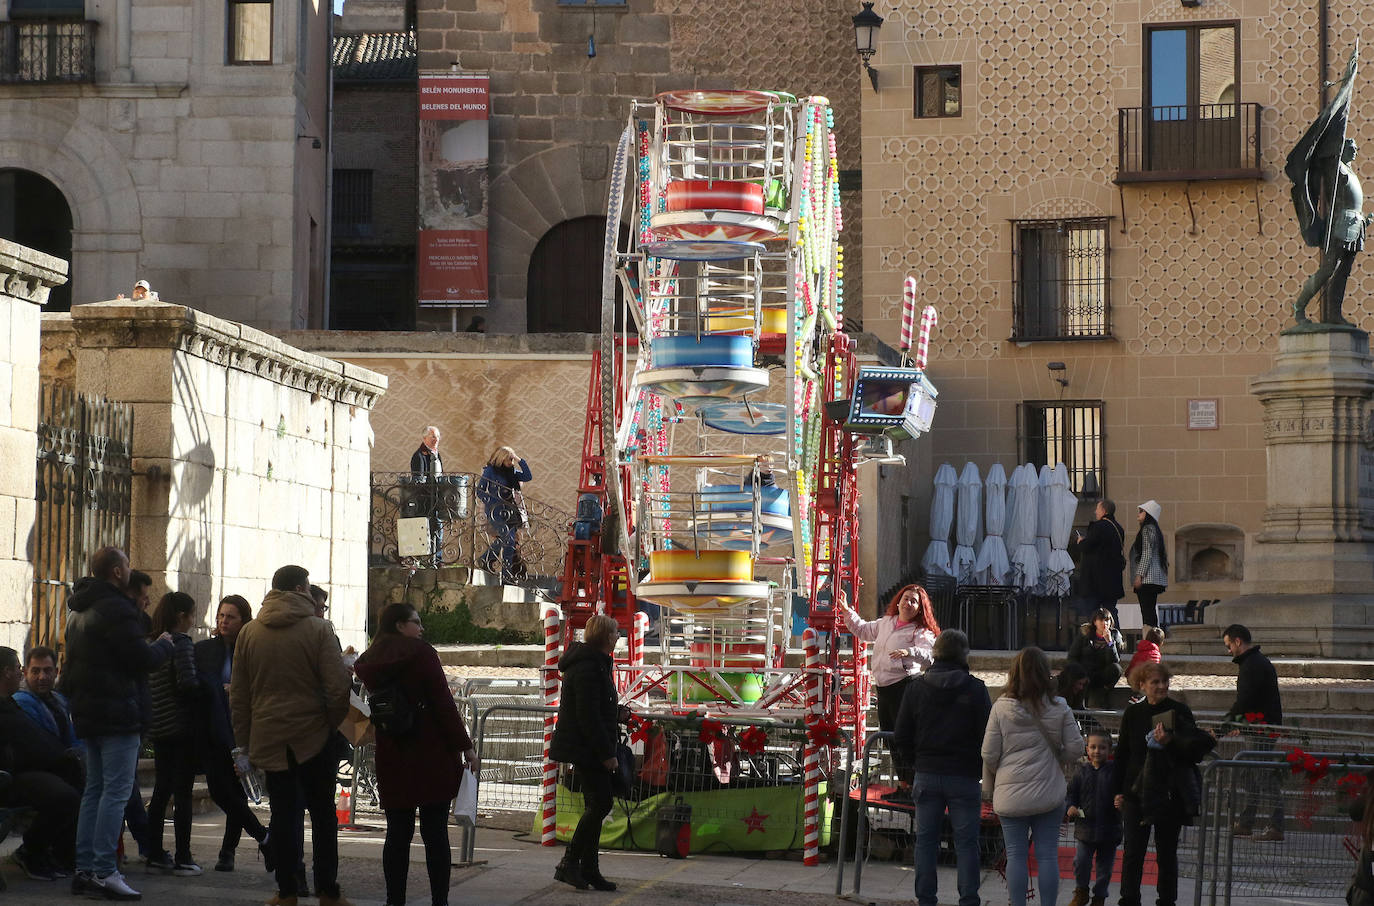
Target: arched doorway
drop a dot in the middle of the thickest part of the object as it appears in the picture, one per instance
(563, 289)
(33, 212)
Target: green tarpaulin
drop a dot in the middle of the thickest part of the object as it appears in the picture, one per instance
(752, 819)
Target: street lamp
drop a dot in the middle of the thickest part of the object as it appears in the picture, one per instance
(866, 25)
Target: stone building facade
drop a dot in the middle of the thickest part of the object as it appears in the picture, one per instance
(179, 142)
(557, 112)
(1065, 146)
(26, 278)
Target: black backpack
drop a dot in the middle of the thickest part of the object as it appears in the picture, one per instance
(393, 713)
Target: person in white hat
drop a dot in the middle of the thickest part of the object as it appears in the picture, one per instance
(1149, 561)
(142, 292)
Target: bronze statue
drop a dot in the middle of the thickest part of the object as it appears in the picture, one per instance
(1328, 201)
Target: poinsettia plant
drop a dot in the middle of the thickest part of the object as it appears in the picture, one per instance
(752, 740)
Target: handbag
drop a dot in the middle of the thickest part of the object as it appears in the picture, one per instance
(623, 777)
(465, 805)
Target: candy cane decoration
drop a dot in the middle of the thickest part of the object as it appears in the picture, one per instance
(923, 345)
(549, 786)
(908, 311)
(811, 755)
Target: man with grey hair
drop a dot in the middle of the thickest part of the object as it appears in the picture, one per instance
(940, 730)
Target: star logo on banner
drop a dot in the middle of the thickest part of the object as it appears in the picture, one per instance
(754, 822)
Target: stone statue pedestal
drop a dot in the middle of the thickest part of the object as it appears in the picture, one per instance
(1309, 573)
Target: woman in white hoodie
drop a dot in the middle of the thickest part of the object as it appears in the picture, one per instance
(902, 639)
(1030, 737)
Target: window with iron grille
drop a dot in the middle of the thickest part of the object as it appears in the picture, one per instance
(938, 91)
(1067, 432)
(352, 203)
(1062, 279)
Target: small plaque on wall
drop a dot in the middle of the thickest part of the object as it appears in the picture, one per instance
(1203, 415)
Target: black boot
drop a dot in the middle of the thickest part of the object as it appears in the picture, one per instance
(569, 872)
(592, 873)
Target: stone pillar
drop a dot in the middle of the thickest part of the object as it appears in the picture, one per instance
(26, 278)
(1309, 573)
(249, 454)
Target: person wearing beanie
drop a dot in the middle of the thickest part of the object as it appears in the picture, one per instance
(1149, 561)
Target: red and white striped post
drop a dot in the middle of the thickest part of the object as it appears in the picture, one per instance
(549, 785)
(811, 756)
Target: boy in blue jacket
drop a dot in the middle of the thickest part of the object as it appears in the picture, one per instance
(1097, 824)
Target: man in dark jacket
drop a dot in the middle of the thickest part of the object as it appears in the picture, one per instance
(940, 728)
(1257, 702)
(46, 777)
(1101, 561)
(106, 681)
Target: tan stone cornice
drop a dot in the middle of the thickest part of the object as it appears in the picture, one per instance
(151, 325)
(29, 274)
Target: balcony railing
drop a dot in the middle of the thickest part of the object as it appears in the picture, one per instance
(1205, 141)
(47, 50)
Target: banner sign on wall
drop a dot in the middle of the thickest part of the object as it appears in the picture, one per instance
(452, 252)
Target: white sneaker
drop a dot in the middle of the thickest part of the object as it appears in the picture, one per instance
(114, 887)
(187, 869)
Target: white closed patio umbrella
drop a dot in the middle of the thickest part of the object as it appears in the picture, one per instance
(992, 564)
(1044, 501)
(1024, 501)
(1063, 507)
(937, 560)
(968, 518)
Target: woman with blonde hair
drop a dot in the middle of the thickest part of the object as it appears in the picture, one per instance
(1031, 735)
(585, 737)
(499, 491)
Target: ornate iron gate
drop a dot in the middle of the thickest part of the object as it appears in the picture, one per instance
(85, 472)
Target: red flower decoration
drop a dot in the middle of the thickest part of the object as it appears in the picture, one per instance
(639, 728)
(1353, 785)
(1296, 759)
(751, 741)
(822, 732)
(1316, 768)
(1254, 717)
(711, 730)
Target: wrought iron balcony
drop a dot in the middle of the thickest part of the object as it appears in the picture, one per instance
(47, 50)
(1202, 141)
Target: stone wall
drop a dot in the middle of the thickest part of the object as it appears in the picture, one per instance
(248, 454)
(557, 113)
(26, 277)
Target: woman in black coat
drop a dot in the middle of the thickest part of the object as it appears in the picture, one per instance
(422, 769)
(214, 663)
(585, 737)
(1097, 649)
(1154, 782)
(174, 689)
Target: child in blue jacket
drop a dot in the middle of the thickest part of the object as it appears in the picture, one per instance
(1097, 824)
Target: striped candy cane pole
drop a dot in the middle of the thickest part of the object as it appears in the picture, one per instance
(861, 693)
(548, 788)
(811, 756)
(923, 345)
(908, 311)
(641, 629)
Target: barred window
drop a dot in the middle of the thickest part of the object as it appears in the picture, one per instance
(938, 91)
(1062, 279)
(352, 203)
(1067, 432)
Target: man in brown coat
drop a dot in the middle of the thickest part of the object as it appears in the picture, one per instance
(288, 692)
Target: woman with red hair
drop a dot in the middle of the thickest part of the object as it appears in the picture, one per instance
(902, 640)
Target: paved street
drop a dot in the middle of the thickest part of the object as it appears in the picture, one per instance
(513, 870)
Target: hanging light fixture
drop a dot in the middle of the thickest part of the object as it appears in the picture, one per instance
(866, 25)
